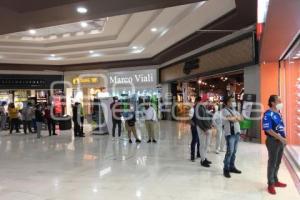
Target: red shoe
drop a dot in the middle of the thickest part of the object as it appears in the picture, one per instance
(271, 189)
(281, 185)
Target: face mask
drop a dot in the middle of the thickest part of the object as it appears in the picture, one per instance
(233, 104)
(279, 106)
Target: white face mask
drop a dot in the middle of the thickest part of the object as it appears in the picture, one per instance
(279, 106)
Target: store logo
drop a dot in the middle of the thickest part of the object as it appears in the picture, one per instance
(137, 78)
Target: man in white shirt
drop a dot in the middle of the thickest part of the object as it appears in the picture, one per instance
(150, 121)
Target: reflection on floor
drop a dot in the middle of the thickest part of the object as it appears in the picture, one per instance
(64, 168)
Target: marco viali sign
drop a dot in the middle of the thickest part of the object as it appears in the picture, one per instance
(133, 77)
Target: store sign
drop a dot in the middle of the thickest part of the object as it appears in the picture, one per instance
(85, 80)
(143, 77)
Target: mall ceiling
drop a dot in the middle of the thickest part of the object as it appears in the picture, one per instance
(112, 33)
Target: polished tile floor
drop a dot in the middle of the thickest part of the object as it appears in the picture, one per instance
(64, 168)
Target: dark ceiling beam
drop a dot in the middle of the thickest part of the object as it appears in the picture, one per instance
(66, 13)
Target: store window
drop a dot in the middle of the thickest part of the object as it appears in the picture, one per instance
(290, 94)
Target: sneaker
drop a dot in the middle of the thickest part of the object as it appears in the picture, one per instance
(226, 174)
(271, 189)
(235, 170)
(192, 158)
(149, 141)
(198, 156)
(207, 161)
(138, 141)
(205, 164)
(154, 141)
(130, 141)
(281, 185)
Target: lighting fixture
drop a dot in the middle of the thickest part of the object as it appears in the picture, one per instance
(94, 55)
(32, 31)
(82, 10)
(154, 29)
(134, 47)
(91, 52)
(52, 55)
(84, 24)
(199, 81)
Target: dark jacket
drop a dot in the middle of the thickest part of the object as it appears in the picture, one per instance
(131, 119)
(202, 118)
(39, 116)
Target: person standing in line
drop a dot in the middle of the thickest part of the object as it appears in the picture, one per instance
(2, 116)
(220, 138)
(130, 127)
(195, 137)
(150, 122)
(27, 113)
(50, 120)
(39, 119)
(115, 108)
(13, 118)
(78, 120)
(204, 126)
(276, 140)
(232, 131)
(33, 121)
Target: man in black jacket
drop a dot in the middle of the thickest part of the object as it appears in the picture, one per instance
(204, 125)
(78, 120)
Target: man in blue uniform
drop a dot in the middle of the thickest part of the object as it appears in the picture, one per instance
(276, 140)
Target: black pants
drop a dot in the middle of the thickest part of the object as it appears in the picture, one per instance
(195, 142)
(27, 125)
(115, 124)
(14, 123)
(51, 123)
(275, 151)
(78, 127)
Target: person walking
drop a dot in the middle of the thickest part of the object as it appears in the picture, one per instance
(115, 108)
(204, 125)
(78, 120)
(220, 137)
(27, 113)
(2, 116)
(13, 118)
(39, 119)
(232, 131)
(49, 117)
(195, 137)
(150, 122)
(274, 128)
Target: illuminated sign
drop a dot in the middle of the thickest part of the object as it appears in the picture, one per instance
(85, 80)
(137, 78)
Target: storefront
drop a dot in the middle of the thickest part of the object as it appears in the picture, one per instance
(135, 87)
(280, 70)
(129, 86)
(209, 73)
(21, 89)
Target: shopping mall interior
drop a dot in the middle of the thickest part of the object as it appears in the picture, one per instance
(149, 99)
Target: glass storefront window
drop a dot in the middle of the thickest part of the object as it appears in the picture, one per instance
(290, 93)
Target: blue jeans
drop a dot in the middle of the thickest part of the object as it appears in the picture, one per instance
(232, 145)
(195, 142)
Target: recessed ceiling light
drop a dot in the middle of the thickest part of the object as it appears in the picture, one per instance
(32, 31)
(139, 50)
(95, 55)
(134, 47)
(153, 29)
(52, 55)
(84, 24)
(91, 52)
(82, 10)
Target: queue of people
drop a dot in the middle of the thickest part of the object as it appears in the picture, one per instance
(149, 113)
(227, 123)
(30, 117)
